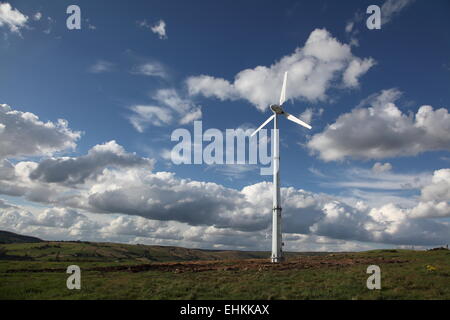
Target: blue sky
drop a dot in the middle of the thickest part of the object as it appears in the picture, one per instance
(390, 170)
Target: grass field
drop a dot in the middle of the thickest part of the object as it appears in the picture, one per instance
(119, 271)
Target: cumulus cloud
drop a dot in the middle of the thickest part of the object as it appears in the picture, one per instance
(76, 170)
(392, 224)
(341, 221)
(54, 180)
(170, 108)
(439, 189)
(58, 217)
(18, 183)
(162, 196)
(133, 226)
(23, 134)
(383, 131)
(12, 18)
(50, 223)
(166, 209)
(15, 218)
(435, 197)
(323, 62)
(112, 194)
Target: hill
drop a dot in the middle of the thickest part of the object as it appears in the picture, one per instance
(120, 253)
(11, 237)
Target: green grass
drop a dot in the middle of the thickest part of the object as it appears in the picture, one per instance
(408, 278)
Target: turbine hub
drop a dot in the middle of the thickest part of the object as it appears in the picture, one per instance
(276, 109)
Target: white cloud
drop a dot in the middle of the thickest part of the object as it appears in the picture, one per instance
(145, 115)
(434, 200)
(212, 87)
(191, 116)
(439, 189)
(77, 170)
(23, 134)
(134, 226)
(307, 115)
(112, 194)
(310, 113)
(164, 208)
(37, 16)
(379, 178)
(12, 18)
(164, 197)
(383, 131)
(356, 68)
(392, 224)
(101, 66)
(322, 63)
(435, 197)
(171, 108)
(15, 218)
(379, 167)
(431, 209)
(161, 196)
(58, 217)
(391, 8)
(153, 69)
(54, 180)
(160, 29)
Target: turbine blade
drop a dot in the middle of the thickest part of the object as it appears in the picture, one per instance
(283, 90)
(263, 125)
(296, 120)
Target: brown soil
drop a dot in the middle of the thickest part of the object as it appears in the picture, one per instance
(236, 265)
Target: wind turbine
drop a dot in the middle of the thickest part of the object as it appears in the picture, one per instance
(277, 253)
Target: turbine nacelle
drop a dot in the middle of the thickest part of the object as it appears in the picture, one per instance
(277, 109)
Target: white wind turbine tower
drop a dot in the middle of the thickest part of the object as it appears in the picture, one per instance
(277, 253)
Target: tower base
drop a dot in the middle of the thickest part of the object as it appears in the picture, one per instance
(277, 259)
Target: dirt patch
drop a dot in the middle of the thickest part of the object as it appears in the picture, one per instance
(258, 265)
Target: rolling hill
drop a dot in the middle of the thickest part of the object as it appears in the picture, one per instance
(117, 252)
(11, 237)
